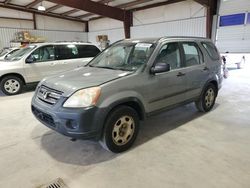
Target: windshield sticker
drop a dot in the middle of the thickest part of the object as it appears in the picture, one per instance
(143, 45)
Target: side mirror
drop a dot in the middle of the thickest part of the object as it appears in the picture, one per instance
(160, 67)
(30, 59)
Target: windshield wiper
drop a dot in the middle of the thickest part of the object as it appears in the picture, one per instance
(104, 67)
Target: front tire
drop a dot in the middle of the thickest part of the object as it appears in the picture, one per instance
(206, 101)
(11, 85)
(121, 129)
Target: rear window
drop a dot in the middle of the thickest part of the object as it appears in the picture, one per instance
(87, 51)
(69, 51)
(211, 50)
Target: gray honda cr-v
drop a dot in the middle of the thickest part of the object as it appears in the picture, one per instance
(127, 82)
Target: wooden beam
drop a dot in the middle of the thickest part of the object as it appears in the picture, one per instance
(93, 7)
(33, 3)
(124, 5)
(144, 7)
(7, 1)
(12, 18)
(91, 14)
(19, 8)
(53, 8)
(105, 1)
(211, 11)
(208, 23)
(128, 22)
(87, 27)
(204, 3)
(70, 12)
(34, 21)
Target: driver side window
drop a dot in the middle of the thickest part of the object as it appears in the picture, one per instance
(45, 53)
(170, 54)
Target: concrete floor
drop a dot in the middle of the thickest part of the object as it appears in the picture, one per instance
(180, 148)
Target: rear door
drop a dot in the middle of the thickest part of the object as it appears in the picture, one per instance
(43, 64)
(197, 72)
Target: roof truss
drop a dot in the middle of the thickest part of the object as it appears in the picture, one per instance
(93, 7)
(33, 3)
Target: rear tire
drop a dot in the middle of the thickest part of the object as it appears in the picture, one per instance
(11, 85)
(206, 101)
(120, 130)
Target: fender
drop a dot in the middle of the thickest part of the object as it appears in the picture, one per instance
(208, 82)
(129, 101)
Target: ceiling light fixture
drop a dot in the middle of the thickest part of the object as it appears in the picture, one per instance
(41, 7)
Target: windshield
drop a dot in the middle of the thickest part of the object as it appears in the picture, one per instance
(124, 56)
(10, 53)
(3, 52)
(17, 55)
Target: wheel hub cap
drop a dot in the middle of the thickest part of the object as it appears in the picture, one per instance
(209, 98)
(123, 130)
(12, 86)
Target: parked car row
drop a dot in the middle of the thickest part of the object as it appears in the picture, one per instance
(34, 62)
(107, 98)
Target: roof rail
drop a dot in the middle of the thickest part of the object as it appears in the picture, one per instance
(73, 41)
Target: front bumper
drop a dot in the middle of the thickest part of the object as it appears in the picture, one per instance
(80, 123)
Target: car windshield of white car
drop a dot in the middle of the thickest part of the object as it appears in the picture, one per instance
(17, 55)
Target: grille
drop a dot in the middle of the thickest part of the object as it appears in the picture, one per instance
(58, 183)
(48, 95)
(46, 118)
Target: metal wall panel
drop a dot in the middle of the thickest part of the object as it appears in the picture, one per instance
(234, 39)
(234, 6)
(185, 27)
(50, 23)
(184, 19)
(113, 35)
(7, 34)
(175, 11)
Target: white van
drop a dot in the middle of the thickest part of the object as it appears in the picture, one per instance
(36, 61)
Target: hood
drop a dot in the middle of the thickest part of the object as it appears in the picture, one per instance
(3, 61)
(8, 64)
(84, 77)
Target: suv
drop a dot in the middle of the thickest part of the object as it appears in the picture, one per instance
(127, 82)
(36, 61)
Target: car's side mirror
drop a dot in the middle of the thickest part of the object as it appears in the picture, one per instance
(160, 67)
(30, 59)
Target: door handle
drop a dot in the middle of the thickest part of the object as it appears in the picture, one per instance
(52, 64)
(180, 74)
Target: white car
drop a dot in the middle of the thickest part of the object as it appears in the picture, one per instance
(34, 62)
(6, 52)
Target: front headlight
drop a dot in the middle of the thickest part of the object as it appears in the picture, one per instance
(83, 98)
